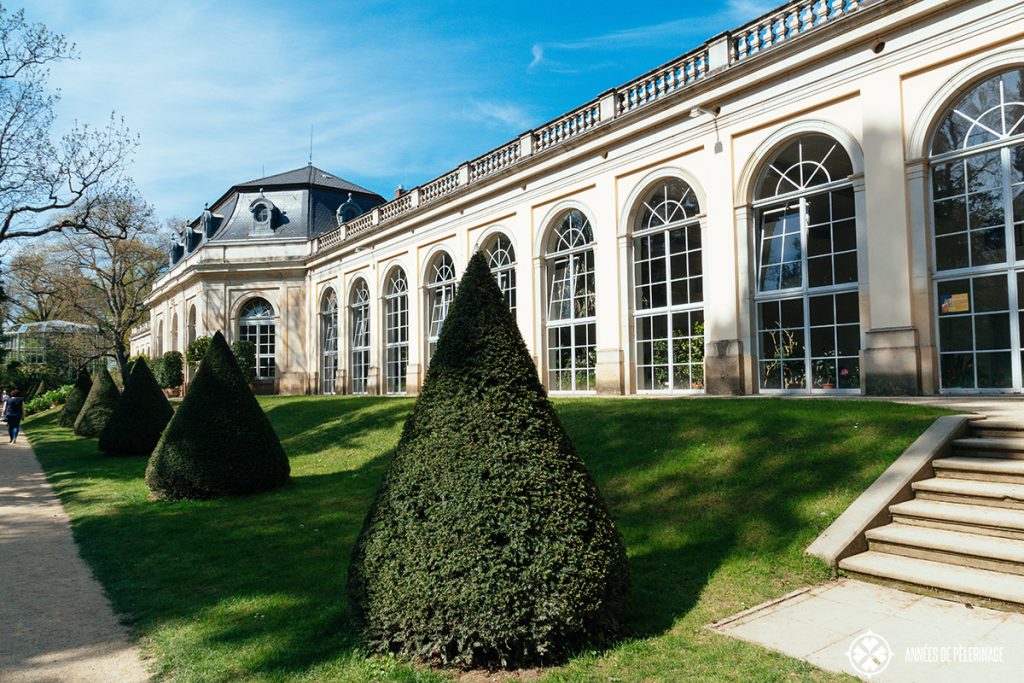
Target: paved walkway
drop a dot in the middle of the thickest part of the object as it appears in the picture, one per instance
(921, 638)
(56, 624)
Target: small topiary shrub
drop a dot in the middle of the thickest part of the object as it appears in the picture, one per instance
(219, 442)
(172, 371)
(245, 354)
(75, 400)
(196, 350)
(488, 542)
(98, 407)
(136, 425)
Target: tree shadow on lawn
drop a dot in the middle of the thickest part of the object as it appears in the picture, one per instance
(690, 484)
(693, 485)
(246, 571)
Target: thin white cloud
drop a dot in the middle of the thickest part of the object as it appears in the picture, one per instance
(216, 101)
(689, 28)
(506, 114)
(538, 56)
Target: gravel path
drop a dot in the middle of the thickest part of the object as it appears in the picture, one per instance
(56, 624)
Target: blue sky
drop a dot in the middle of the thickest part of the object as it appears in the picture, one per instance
(396, 92)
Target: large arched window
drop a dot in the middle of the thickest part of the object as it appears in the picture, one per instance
(977, 162)
(571, 327)
(501, 257)
(440, 292)
(159, 344)
(668, 289)
(256, 324)
(396, 330)
(329, 342)
(359, 340)
(808, 319)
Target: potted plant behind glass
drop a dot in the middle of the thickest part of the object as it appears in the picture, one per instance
(825, 371)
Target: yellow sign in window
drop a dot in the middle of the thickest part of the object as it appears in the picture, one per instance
(955, 303)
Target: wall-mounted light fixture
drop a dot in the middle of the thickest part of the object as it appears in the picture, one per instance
(711, 110)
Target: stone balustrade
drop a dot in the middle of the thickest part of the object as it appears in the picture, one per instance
(568, 126)
(493, 162)
(440, 187)
(778, 26)
(362, 224)
(664, 81)
(397, 207)
(786, 23)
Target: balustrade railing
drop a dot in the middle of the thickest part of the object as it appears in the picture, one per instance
(440, 187)
(329, 239)
(786, 23)
(568, 126)
(361, 224)
(396, 208)
(778, 26)
(663, 81)
(492, 162)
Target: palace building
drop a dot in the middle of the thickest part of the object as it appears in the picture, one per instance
(827, 200)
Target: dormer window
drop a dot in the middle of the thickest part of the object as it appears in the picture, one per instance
(349, 210)
(263, 212)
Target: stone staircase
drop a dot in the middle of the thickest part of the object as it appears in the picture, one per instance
(962, 535)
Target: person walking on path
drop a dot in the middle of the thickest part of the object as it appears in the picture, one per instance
(14, 411)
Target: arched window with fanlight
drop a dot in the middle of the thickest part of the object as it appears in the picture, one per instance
(256, 324)
(977, 169)
(329, 342)
(571, 319)
(396, 330)
(668, 289)
(501, 258)
(808, 319)
(359, 339)
(440, 292)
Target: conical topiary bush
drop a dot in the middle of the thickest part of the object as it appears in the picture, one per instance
(75, 400)
(219, 442)
(488, 543)
(139, 420)
(99, 405)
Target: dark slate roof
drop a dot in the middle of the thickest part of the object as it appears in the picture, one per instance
(307, 175)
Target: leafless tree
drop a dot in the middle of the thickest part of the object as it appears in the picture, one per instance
(108, 279)
(42, 178)
(35, 283)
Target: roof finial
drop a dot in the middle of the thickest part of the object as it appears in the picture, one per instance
(311, 144)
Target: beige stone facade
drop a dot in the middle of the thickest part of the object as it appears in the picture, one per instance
(875, 80)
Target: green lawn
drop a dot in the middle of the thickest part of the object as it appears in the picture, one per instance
(716, 499)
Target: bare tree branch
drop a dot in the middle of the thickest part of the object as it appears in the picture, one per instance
(40, 177)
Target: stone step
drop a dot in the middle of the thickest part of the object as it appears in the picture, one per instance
(971, 492)
(1006, 470)
(987, 447)
(1001, 429)
(963, 581)
(953, 547)
(972, 519)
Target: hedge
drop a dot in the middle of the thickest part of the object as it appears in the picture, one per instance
(99, 405)
(219, 442)
(488, 543)
(136, 424)
(75, 400)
